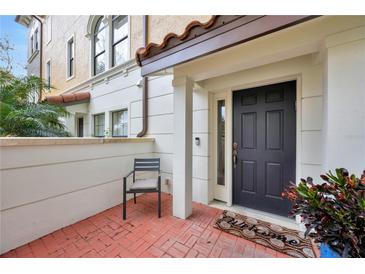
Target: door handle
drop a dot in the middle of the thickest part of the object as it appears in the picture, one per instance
(234, 154)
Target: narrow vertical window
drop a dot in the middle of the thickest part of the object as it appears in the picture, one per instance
(36, 40)
(99, 125)
(120, 41)
(100, 35)
(31, 44)
(120, 123)
(49, 28)
(221, 129)
(70, 57)
(48, 74)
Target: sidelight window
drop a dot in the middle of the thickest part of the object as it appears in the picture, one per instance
(221, 128)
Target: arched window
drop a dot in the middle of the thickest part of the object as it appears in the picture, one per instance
(120, 41)
(100, 44)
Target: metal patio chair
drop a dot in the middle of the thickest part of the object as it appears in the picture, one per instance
(143, 185)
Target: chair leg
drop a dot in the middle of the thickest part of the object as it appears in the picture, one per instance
(159, 196)
(135, 199)
(159, 203)
(124, 198)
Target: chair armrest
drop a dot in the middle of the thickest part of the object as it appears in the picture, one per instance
(129, 174)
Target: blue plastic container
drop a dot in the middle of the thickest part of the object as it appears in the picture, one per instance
(328, 252)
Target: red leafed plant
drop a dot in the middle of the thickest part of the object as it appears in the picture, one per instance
(333, 210)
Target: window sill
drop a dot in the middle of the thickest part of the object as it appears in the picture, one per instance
(70, 78)
(34, 54)
(116, 69)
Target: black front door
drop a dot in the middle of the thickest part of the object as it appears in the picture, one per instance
(264, 140)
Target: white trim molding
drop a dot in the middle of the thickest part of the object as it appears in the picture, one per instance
(68, 76)
(108, 20)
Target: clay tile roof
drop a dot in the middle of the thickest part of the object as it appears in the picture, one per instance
(72, 98)
(171, 39)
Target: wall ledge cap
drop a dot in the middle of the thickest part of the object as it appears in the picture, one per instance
(45, 141)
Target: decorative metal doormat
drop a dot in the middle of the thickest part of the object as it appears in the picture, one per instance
(284, 240)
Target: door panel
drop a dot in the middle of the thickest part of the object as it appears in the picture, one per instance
(274, 130)
(249, 180)
(248, 128)
(264, 127)
(274, 179)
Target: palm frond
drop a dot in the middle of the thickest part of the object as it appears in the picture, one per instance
(20, 113)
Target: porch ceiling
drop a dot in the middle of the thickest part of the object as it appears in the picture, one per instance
(200, 39)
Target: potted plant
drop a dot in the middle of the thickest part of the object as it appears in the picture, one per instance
(333, 212)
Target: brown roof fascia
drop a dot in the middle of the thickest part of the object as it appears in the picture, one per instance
(220, 32)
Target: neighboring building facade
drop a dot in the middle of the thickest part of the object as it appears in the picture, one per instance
(233, 120)
(34, 43)
(116, 89)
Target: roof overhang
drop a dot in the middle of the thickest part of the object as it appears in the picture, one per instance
(69, 99)
(23, 20)
(220, 32)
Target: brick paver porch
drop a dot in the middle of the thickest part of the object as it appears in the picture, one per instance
(143, 235)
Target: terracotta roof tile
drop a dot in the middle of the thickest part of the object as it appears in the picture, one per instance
(153, 47)
(68, 98)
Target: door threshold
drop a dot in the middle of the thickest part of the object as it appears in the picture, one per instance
(258, 214)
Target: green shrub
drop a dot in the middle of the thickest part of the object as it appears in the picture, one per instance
(334, 210)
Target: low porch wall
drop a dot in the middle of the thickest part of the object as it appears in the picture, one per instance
(49, 183)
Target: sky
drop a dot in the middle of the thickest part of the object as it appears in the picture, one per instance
(17, 35)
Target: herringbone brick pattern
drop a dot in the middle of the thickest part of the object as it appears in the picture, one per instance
(143, 235)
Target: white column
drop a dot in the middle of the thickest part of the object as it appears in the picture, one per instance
(182, 158)
(345, 101)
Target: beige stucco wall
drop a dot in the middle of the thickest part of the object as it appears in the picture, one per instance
(136, 36)
(160, 25)
(63, 27)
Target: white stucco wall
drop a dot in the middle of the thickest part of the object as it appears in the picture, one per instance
(307, 71)
(46, 187)
(118, 90)
(296, 54)
(311, 53)
(299, 53)
(345, 101)
(76, 111)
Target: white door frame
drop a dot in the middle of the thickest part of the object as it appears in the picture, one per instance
(77, 116)
(229, 128)
(219, 192)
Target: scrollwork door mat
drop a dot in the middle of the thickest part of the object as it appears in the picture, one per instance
(284, 240)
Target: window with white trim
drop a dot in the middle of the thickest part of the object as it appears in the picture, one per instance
(109, 42)
(48, 74)
(120, 39)
(35, 39)
(49, 28)
(70, 57)
(120, 123)
(31, 44)
(100, 44)
(99, 125)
